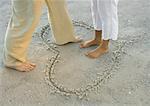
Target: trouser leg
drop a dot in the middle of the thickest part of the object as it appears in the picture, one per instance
(95, 15)
(109, 16)
(25, 17)
(61, 23)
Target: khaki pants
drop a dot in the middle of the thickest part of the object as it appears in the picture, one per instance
(25, 18)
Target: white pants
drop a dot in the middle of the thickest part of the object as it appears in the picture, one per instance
(105, 18)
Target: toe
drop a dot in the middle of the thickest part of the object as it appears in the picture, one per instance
(78, 39)
(31, 67)
(87, 54)
(82, 45)
(32, 64)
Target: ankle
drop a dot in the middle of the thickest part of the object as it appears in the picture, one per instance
(97, 40)
(105, 44)
(98, 35)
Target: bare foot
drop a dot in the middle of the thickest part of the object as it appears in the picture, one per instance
(23, 67)
(97, 52)
(89, 43)
(77, 39)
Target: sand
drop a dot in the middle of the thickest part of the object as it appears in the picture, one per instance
(65, 77)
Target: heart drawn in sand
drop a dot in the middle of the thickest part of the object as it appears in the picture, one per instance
(81, 93)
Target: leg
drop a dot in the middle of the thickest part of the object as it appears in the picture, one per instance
(97, 26)
(25, 17)
(108, 13)
(61, 23)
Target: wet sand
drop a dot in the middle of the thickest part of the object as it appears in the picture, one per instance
(118, 78)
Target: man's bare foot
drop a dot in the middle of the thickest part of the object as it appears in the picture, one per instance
(77, 39)
(23, 67)
(97, 52)
(89, 43)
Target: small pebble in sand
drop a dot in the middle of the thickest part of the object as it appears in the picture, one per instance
(129, 92)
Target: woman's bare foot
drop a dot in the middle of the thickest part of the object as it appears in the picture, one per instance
(23, 67)
(90, 43)
(101, 50)
(97, 52)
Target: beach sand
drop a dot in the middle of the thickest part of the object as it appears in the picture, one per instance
(119, 78)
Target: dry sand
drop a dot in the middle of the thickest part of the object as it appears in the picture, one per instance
(119, 78)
